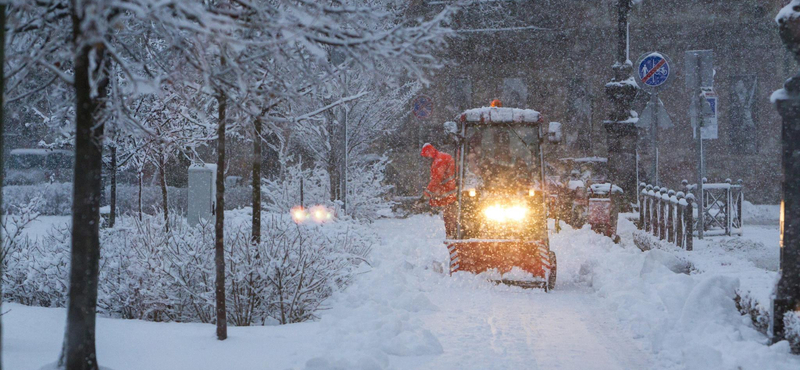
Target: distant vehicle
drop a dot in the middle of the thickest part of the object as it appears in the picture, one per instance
(591, 170)
(36, 166)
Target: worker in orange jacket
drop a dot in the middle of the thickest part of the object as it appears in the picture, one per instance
(441, 190)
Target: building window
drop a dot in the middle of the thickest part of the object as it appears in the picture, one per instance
(742, 118)
(515, 93)
(460, 95)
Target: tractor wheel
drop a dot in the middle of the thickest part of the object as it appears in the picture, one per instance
(551, 280)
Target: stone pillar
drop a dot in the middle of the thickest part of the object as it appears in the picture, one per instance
(621, 126)
(787, 292)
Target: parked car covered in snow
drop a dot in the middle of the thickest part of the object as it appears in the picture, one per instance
(35, 166)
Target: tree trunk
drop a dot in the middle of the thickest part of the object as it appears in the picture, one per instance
(256, 228)
(2, 93)
(112, 216)
(141, 186)
(79, 343)
(162, 179)
(219, 226)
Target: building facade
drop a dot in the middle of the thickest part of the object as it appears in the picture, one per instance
(555, 56)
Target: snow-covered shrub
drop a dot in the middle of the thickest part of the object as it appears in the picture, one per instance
(366, 189)
(56, 198)
(758, 313)
(238, 196)
(309, 263)
(147, 273)
(35, 272)
(366, 198)
(128, 199)
(791, 324)
(280, 195)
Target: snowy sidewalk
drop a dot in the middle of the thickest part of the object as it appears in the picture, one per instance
(614, 307)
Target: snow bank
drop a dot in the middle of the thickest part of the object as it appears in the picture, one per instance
(378, 317)
(687, 316)
(760, 214)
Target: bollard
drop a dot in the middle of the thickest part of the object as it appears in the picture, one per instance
(680, 236)
(689, 221)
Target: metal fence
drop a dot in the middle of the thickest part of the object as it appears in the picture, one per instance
(722, 207)
(667, 214)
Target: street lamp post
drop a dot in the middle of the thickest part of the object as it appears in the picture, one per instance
(787, 292)
(621, 126)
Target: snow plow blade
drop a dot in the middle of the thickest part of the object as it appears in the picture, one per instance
(477, 256)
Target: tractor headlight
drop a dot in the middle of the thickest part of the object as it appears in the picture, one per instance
(498, 213)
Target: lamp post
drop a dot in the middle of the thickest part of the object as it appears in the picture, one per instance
(621, 126)
(787, 292)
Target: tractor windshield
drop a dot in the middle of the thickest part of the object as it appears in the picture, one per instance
(501, 158)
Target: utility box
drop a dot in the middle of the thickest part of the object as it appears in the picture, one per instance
(202, 192)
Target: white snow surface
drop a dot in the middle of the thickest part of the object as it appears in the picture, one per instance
(614, 307)
(788, 12)
(501, 115)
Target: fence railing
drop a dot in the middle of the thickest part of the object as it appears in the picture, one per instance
(722, 207)
(667, 214)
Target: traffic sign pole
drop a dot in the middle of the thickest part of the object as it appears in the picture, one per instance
(700, 160)
(654, 71)
(655, 137)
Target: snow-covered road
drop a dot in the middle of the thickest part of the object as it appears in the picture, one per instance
(479, 325)
(517, 330)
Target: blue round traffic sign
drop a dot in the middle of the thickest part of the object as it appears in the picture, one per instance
(653, 71)
(422, 107)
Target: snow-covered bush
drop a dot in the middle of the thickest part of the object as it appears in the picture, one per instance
(366, 189)
(35, 271)
(758, 313)
(56, 198)
(791, 323)
(128, 199)
(280, 195)
(366, 198)
(146, 273)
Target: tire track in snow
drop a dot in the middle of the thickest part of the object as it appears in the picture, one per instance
(482, 326)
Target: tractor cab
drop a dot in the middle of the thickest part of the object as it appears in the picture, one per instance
(502, 227)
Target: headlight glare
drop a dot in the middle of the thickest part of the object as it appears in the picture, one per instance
(498, 213)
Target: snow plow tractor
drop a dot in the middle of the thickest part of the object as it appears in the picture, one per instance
(502, 211)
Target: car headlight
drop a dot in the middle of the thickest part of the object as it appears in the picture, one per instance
(498, 213)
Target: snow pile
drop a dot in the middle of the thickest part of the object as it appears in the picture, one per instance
(681, 303)
(379, 317)
(149, 274)
(760, 214)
